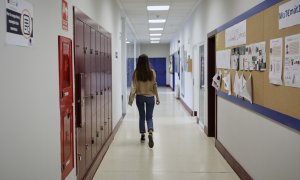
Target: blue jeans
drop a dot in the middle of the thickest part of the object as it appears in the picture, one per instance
(141, 101)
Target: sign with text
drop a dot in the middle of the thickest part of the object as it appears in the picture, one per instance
(65, 15)
(19, 23)
(289, 14)
(236, 35)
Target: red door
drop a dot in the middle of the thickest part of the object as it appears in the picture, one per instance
(66, 107)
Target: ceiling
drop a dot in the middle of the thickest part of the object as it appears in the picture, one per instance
(138, 16)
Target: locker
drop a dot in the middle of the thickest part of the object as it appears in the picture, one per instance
(110, 85)
(92, 90)
(80, 100)
(98, 93)
(88, 96)
(93, 93)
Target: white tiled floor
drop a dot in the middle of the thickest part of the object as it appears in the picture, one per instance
(181, 150)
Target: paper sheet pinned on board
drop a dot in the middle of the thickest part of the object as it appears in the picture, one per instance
(237, 85)
(223, 59)
(275, 67)
(216, 81)
(292, 61)
(227, 83)
(247, 90)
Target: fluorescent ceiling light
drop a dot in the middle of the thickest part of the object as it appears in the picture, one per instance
(156, 29)
(127, 42)
(153, 39)
(155, 34)
(154, 42)
(157, 21)
(158, 8)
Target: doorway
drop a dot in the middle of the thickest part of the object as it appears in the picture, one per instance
(210, 128)
(159, 65)
(201, 85)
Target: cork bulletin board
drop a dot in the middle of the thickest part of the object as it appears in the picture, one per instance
(264, 26)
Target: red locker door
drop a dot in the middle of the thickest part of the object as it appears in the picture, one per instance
(66, 106)
(98, 93)
(88, 103)
(80, 97)
(93, 92)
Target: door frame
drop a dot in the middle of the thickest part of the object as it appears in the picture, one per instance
(210, 129)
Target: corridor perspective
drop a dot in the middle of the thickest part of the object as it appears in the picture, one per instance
(181, 151)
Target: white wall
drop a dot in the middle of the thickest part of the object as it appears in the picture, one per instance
(156, 51)
(267, 150)
(29, 106)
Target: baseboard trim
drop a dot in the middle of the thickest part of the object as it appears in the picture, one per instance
(186, 107)
(238, 169)
(94, 167)
(206, 130)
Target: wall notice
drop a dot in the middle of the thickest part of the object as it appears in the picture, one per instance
(292, 61)
(19, 23)
(289, 14)
(275, 71)
(236, 35)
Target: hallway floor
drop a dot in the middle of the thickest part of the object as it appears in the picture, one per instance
(181, 149)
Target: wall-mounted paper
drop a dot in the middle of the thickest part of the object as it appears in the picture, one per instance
(275, 68)
(247, 90)
(216, 81)
(227, 83)
(236, 35)
(223, 59)
(292, 61)
(239, 83)
(289, 14)
(256, 56)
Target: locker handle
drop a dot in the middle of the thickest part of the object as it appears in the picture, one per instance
(79, 156)
(93, 140)
(86, 146)
(81, 100)
(101, 92)
(92, 96)
(97, 93)
(97, 134)
(101, 128)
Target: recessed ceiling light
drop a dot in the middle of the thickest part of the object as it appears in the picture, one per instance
(153, 39)
(154, 42)
(158, 8)
(127, 42)
(157, 21)
(155, 34)
(156, 29)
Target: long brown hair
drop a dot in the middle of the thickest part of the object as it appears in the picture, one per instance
(143, 70)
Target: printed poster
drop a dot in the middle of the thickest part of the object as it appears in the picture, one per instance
(289, 14)
(256, 57)
(236, 35)
(292, 61)
(19, 23)
(275, 68)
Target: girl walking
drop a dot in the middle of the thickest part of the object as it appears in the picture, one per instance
(144, 87)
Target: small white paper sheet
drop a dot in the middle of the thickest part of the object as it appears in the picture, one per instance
(227, 83)
(216, 81)
(246, 91)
